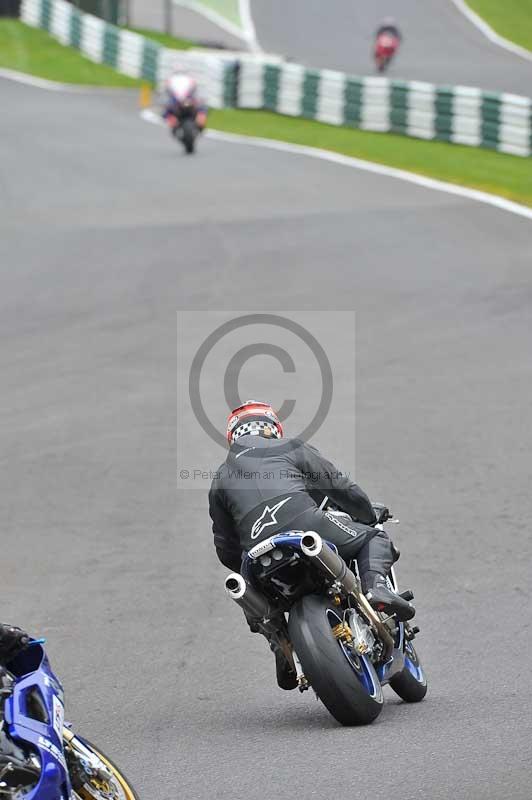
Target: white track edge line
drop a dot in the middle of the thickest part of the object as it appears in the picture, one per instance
(53, 86)
(213, 17)
(33, 80)
(249, 25)
(489, 33)
(494, 200)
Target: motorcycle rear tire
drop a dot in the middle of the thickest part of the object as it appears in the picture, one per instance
(189, 134)
(325, 664)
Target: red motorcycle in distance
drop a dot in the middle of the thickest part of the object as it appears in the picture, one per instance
(386, 46)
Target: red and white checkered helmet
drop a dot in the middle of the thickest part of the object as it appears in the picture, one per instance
(253, 417)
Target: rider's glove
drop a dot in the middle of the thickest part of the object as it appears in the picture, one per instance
(381, 512)
(12, 642)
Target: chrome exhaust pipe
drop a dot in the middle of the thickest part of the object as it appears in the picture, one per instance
(329, 562)
(252, 602)
(313, 546)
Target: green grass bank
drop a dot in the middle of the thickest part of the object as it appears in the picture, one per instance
(509, 176)
(33, 51)
(510, 18)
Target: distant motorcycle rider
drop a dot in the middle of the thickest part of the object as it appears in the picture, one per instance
(390, 28)
(182, 92)
(387, 42)
(269, 484)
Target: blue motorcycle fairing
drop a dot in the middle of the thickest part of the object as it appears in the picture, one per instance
(286, 539)
(34, 679)
(289, 539)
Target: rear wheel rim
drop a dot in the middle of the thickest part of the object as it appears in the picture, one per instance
(360, 665)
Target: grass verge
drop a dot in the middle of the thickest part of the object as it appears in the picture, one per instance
(33, 51)
(509, 176)
(510, 18)
(165, 39)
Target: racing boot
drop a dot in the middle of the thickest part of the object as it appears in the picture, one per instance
(286, 677)
(382, 598)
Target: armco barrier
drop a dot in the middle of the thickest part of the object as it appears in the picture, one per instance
(458, 114)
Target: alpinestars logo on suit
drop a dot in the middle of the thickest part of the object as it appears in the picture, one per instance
(267, 518)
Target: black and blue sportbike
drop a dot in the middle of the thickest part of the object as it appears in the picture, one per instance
(40, 757)
(297, 591)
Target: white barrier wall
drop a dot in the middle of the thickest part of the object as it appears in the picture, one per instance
(458, 114)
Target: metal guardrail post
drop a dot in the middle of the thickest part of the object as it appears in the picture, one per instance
(168, 17)
(9, 8)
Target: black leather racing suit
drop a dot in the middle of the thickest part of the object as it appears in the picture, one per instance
(173, 107)
(266, 486)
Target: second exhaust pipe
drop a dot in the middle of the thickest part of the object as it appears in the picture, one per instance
(253, 603)
(313, 546)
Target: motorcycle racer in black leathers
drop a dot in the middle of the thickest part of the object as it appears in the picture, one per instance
(268, 485)
(182, 92)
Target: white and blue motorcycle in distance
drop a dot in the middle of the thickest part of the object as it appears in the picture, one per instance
(40, 757)
(297, 591)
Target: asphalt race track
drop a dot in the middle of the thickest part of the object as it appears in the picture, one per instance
(149, 14)
(106, 230)
(440, 44)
